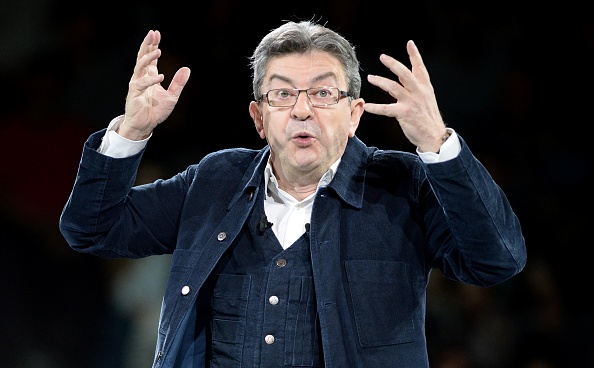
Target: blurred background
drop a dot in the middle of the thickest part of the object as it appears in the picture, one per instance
(514, 80)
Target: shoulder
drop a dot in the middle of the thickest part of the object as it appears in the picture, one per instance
(393, 161)
(234, 156)
(376, 157)
(392, 157)
(382, 167)
(227, 162)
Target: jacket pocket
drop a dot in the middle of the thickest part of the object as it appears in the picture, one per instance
(229, 313)
(381, 296)
(229, 307)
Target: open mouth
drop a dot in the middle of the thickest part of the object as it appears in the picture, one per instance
(303, 138)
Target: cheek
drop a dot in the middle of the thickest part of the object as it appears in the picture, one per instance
(343, 130)
(273, 131)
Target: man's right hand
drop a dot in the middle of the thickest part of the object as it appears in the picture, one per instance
(148, 103)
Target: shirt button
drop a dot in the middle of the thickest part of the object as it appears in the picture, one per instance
(185, 290)
(221, 236)
(281, 262)
(273, 300)
(269, 339)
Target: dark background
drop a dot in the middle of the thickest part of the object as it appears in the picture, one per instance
(514, 79)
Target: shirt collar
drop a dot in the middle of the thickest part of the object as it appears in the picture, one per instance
(268, 174)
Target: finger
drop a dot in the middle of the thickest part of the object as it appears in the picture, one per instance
(179, 81)
(149, 44)
(145, 75)
(155, 45)
(138, 86)
(416, 61)
(147, 81)
(396, 67)
(394, 88)
(146, 65)
(381, 109)
(145, 44)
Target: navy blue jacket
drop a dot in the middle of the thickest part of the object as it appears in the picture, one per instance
(377, 230)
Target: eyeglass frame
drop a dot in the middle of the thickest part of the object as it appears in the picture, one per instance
(341, 94)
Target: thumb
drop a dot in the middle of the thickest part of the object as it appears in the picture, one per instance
(179, 81)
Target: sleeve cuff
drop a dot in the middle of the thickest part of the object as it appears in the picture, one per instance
(116, 146)
(449, 150)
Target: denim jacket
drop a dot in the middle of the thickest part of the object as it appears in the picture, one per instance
(377, 230)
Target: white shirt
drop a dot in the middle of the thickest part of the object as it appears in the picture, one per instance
(287, 215)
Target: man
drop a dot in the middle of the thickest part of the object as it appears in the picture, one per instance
(315, 250)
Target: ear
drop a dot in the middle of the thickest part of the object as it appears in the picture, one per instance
(256, 114)
(356, 113)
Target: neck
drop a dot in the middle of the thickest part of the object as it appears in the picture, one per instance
(299, 192)
(298, 184)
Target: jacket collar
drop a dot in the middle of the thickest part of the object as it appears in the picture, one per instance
(348, 181)
(252, 177)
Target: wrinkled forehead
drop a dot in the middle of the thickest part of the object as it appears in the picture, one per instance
(311, 69)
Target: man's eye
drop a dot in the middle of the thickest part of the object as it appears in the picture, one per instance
(323, 93)
(283, 93)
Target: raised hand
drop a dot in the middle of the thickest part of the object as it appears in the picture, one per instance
(416, 106)
(148, 104)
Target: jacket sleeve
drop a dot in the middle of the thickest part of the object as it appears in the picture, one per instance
(108, 216)
(485, 245)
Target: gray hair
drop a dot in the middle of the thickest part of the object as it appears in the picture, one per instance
(299, 38)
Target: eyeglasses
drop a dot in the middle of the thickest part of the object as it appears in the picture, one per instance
(320, 96)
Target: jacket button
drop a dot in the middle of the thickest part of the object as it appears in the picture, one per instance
(273, 300)
(221, 236)
(185, 290)
(269, 339)
(281, 262)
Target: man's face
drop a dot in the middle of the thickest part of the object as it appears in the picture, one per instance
(306, 139)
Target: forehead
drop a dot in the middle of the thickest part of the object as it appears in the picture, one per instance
(305, 70)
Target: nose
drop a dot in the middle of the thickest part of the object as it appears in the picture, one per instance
(302, 108)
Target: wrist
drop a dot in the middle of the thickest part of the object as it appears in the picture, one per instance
(132, 134)
(435, 146)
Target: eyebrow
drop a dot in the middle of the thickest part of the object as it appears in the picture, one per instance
(315, 80)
